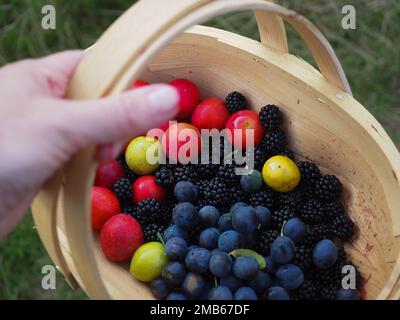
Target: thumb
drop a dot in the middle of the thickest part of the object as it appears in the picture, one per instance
(118, 117)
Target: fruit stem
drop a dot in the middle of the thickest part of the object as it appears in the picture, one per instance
(230, 154)
(160, 238)
(283, 227)
(249, 253)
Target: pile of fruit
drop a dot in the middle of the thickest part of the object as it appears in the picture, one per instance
(200, 231)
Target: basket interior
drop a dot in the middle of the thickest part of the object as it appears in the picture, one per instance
(319, 129)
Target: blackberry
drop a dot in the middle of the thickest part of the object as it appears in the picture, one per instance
(227, 174)
(206, 202)
(265, 198)
(317, 232)
(165, 176)
(129, 174)
(185, 172)
(207, 170)
(342, 256)
(343, 227)
(260, 156)
(265, 238)
(165, 214)
(309, 173)
(291, 200)
(131, 210)
(218, 148)
(147, 211)
(323, 231)
(274, 142)
(303, 257)
(235, 102)
(279, 217)
(211, 157)
(328, 277)
(150, 232)
(237, 195)
(123, 189)
(307, 291)
(328, 188)
(213, 192)
(328, 293)
(288, 153)
(127, 204)
(270, 117)
(309, 238)
(312, 211)
(334, 209)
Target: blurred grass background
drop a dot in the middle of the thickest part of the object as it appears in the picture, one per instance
(370, 56)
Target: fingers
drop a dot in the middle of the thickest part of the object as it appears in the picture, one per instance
(44, 77)
(56, 71)
(64, 62)
(117, 118)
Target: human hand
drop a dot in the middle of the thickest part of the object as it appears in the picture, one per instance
(40, 131)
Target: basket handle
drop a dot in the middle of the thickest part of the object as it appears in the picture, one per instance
(272, 30)
(44, 208)
(168, 19)
(158, 22)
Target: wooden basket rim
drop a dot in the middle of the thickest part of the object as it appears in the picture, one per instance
(91, 277)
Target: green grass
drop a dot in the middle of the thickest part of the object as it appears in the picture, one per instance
(22, 257)
(370, 56)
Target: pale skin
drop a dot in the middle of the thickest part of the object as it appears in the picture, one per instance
(40, 130)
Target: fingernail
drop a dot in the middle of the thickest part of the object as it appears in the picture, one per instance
(163, 99)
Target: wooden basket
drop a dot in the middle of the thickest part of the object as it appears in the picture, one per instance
(152, 41)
